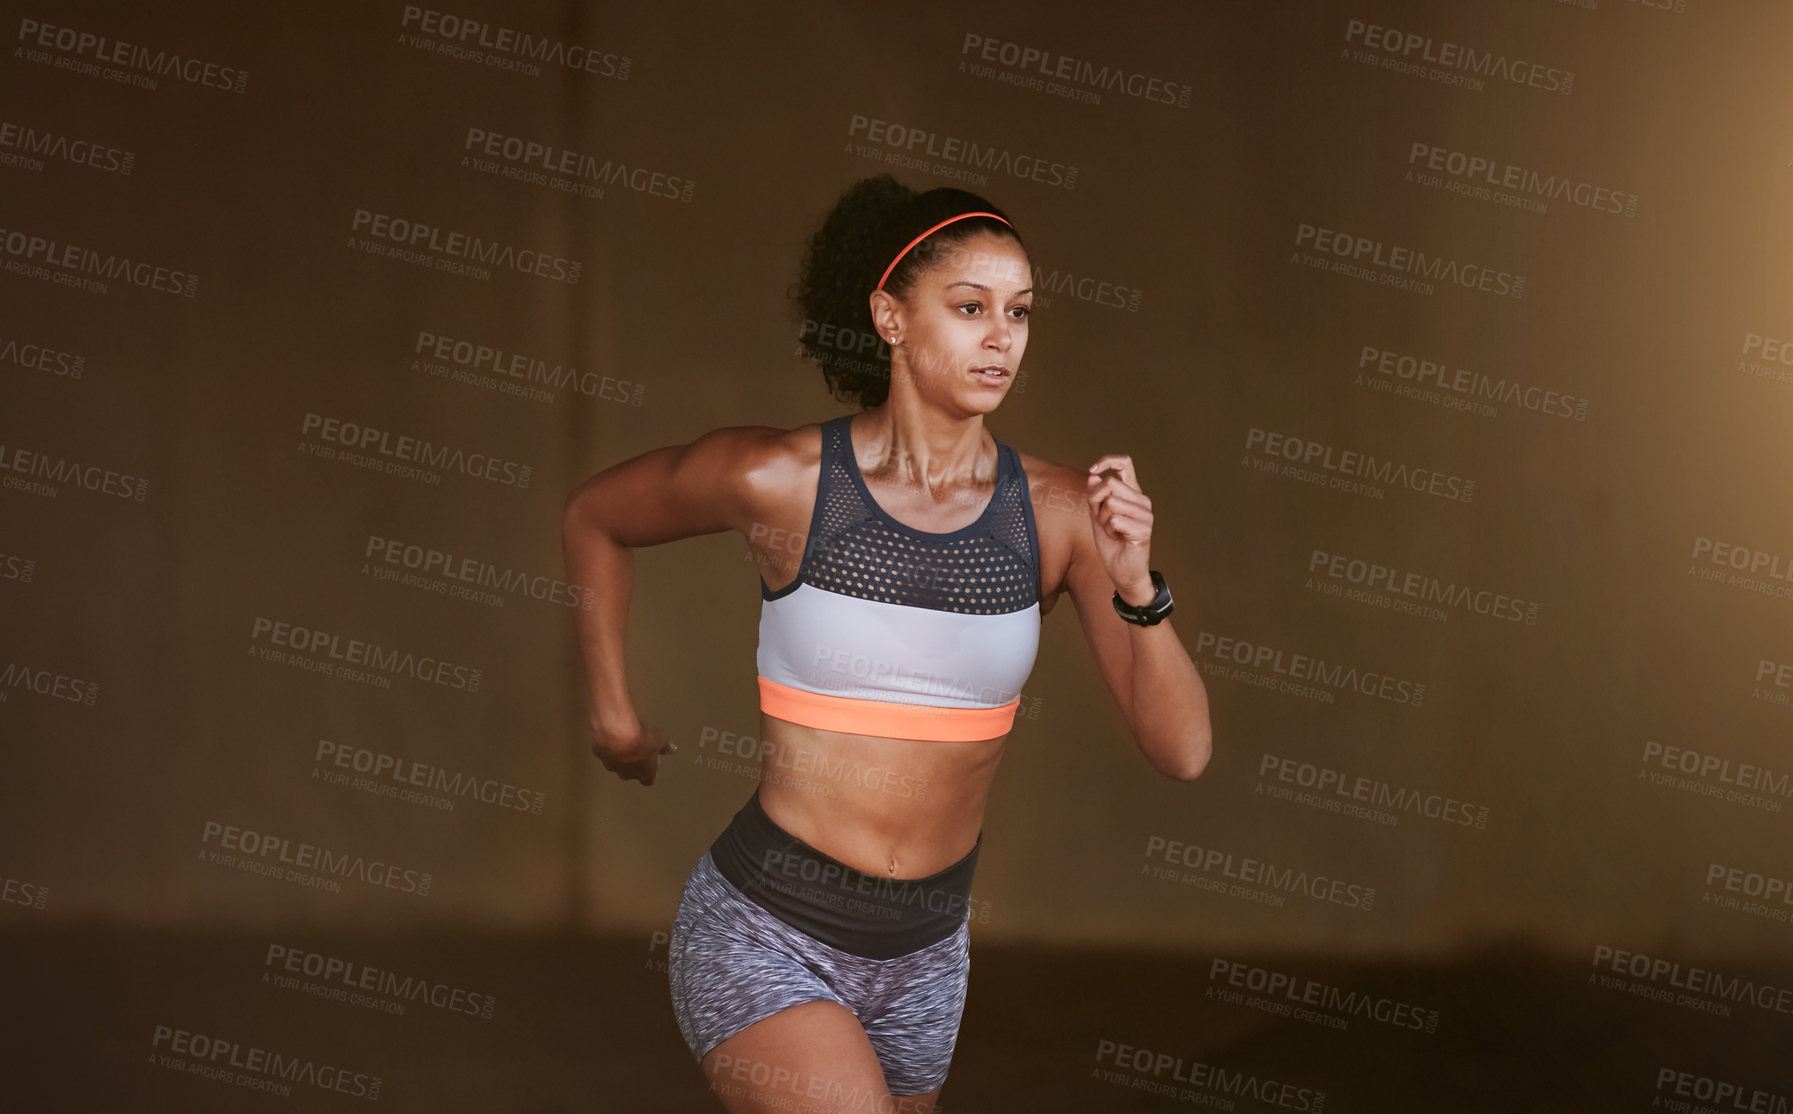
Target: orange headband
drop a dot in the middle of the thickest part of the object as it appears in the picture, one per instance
(925, 235)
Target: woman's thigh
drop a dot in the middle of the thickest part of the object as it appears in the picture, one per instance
(816, 1057)
(810, 1058)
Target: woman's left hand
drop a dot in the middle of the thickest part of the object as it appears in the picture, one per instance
(1120, 516)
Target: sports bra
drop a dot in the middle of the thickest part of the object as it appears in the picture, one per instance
(898, 632)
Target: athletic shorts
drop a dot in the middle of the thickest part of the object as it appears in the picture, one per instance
(732, 962)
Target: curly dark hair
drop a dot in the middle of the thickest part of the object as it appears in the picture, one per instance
(861, 235)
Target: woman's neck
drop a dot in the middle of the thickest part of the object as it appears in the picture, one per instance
(930, 453)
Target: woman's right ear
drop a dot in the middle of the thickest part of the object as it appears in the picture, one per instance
(884, 315)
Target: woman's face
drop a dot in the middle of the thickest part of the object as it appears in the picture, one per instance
(966, 312)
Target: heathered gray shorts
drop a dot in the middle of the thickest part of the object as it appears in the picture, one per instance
(732, 963)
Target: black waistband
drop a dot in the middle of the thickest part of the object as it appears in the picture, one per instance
(878, 918)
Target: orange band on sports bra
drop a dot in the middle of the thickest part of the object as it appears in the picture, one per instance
(884, 718)
(923, 236)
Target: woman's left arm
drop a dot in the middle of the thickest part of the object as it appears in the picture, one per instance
(1160, 692)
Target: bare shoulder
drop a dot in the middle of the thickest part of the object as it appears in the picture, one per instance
(726, 478)
(770, 469)
(773, 463)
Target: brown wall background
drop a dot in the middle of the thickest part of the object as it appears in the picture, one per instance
(1658, 328)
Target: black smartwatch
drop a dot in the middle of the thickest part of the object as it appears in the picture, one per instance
(1150, 613)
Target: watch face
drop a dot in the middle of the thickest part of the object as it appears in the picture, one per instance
(1150, 612)
(1161, 599)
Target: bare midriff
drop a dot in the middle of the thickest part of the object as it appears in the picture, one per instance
(893, 808)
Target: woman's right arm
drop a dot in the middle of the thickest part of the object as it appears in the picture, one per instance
(678, 491)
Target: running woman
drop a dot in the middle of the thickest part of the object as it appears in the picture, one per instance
(820, 948)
